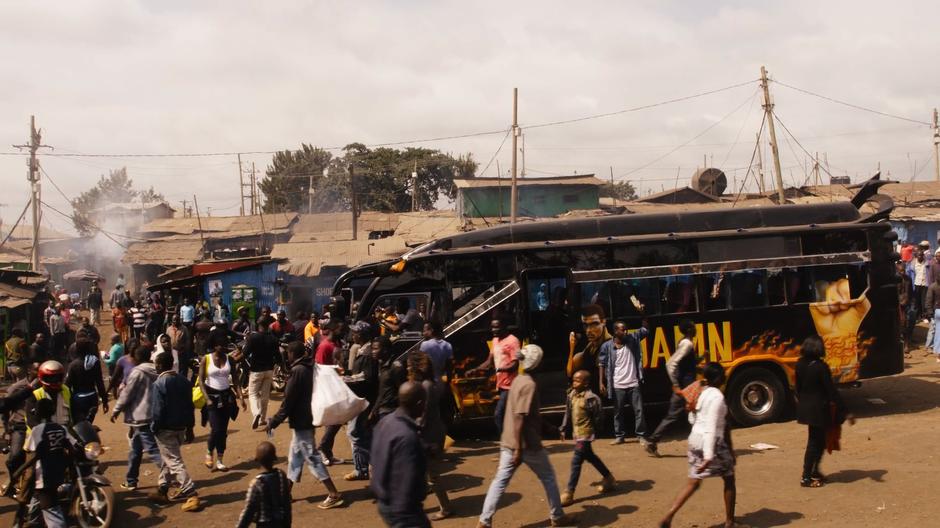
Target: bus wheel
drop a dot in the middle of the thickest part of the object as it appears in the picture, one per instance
(756, 396)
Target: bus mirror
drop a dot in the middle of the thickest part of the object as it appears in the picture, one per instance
(398, 267)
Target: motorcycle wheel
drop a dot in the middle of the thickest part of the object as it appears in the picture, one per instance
(279, 382)
(102, 504)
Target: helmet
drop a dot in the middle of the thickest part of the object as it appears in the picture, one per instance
(51, 374)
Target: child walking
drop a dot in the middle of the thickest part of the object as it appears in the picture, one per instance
(267, 503)
(584, 412)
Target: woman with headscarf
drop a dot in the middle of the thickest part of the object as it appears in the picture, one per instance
(818, 405)
(164, 346)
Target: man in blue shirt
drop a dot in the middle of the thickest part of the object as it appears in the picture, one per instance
(620, 363)
(187, 313)
(440, 351)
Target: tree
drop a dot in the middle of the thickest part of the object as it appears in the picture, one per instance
(383, 178)
(117, 187)
(620, 191)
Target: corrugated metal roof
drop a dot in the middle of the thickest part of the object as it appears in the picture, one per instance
(420, 227)
(342, 222)
(185, 226)
(475, 183)
(25, 232)
(306, 259)
(164, 253)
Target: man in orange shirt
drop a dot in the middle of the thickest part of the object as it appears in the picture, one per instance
(505, 347)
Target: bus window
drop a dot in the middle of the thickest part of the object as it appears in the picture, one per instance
(596, 293)
(543, 291)
(716, 291)
(636, 298)
(826, 276)
(799, 285)
(776, 287)
(834, 242)
(402, 314)
(679, 294)
(747, 289)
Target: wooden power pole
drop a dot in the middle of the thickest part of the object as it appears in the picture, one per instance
(32, 175)
(241, 186)
(255, 202)
(514, 193)
(936, 145)
(354, 202)
(769, 110)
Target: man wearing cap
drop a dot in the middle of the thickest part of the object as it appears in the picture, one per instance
(521, 442)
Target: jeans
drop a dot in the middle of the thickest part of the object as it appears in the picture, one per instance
(815, 445)
(17, 454)
(632, 396)
(676, 411)
(95, 315)
(45, 502)
(85, 406)
(584, 452)
(327, 440)
(360, 438)
(170, 442)
(435, 469)
(394, 519)
(932, 341)
(218, 428)
(500, 412)
(303, 450)
(537, 460)
(142, 441)
(259, 392)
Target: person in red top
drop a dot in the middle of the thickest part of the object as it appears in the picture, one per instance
(282, 325)
(503, 355)
(327, 347)
(325, 355)
(907, 251)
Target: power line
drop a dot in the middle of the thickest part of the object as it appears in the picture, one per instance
(787, 130)
(638, 108)
(501, 143)
(852, 105)
(18, 220)
(108, 234)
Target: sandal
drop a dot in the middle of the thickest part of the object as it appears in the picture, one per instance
(330, 502)
(811, 483)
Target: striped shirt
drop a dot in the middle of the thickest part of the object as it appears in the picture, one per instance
(268, 501)
(140, 318)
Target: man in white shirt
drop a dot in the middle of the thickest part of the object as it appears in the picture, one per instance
(621, 373)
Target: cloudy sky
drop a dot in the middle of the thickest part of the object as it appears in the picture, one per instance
(179, 77)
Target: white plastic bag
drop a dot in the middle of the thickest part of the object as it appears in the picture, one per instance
(333, 403)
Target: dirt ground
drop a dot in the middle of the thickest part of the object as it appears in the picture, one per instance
(882, 477)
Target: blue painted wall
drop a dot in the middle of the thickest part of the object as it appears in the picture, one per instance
(915, 232)
(261, 277)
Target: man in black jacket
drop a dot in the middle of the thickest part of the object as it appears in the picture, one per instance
(295, 408)
(171, 405)
(262, 351)
(399, 462)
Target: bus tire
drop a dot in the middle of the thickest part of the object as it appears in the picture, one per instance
(756, 396)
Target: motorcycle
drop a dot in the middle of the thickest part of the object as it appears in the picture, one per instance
(86, 496)
(280, 374)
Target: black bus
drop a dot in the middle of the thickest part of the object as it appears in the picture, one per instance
(756, 281)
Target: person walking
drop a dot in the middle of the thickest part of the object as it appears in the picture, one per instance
(134, 403)
(85, 380)
(181, 340)
(399, 462)
(365, 373)
(711, 453)
(919, 271)
(114, 354)
(932, 309)
(296, 410)
(326, 354)
(433, 430)
(906, 308)
(171, 404)
(15, 423)
(50, 446)
(584, 411)
(681, 371)
(505, 347)
(187, 313)
(59, 331)
(95, 302)
(521, 442)
(217, 381)
(165, 346)
(262, 352)
(138, 319)
(268, 501)
(818, 405)
(391, 375)
(621, 370)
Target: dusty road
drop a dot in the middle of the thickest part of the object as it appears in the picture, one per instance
(883, 477)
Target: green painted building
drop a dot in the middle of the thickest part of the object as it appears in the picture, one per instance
(538, 197)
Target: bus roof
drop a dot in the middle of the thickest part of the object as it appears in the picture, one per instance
(649, 224)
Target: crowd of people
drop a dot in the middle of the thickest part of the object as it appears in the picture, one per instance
(164, 375)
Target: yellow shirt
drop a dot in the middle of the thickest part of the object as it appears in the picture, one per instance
(310, 331)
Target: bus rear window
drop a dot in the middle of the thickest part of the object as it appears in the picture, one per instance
(834, 242)
(729, 249)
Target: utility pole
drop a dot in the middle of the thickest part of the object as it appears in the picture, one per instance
(769, 111)
(354, 202)
(936, 145)
(816, 169)
(760, 166)
(514, 193)
(241, 186)
(255, 206)
(414, 187)
(32, 175)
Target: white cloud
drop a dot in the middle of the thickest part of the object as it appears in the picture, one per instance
(162, 77)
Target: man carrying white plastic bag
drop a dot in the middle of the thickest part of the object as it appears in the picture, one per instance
(299, 408)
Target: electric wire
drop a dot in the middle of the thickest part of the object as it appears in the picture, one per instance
(852, 105)
(16, 224)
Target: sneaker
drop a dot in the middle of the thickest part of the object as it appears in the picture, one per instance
(192, 504)
(567, 498)
(330, 502)
(220, 466)
(332, 461)
(619, 441)
(159, 496)
(652, 449)
(208, 462)
(256, 421)
(128, 486)
(565, 520)
(608, 484)
(355, 475)
(181, 494)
